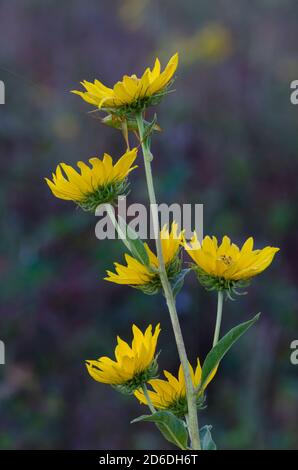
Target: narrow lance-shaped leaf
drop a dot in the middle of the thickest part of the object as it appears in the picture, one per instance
(178, 282)
(218, 352)
(136, 246)
(171, 427)
(150, 126)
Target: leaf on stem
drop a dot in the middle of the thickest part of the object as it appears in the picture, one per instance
(178, 282)
(216, 354)
(150, 127)
(135, 244)
(207, 443)
(171, 427)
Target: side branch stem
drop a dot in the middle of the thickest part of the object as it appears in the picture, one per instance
(110, 210)
(220, 297)
(149, 402)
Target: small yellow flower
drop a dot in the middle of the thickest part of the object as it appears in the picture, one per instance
(102, 183)
(225, 266)
(134, 365)
(170, 394)
(132, 93)
(144, 276)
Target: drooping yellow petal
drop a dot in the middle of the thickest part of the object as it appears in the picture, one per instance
(198, 374)
(124, 164)
(130, 360)
(166, 76)
(226, 260)
(137, 274)
(70, 184)
(131, 88)
(171, 393)
(170, 242)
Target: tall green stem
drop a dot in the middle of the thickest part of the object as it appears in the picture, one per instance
(220, 297)
(190, 392)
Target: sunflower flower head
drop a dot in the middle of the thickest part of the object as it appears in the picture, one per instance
(170, 394)
(145, 276)
(97, 183)
(131, 94)
(226, 267)
(133, 365)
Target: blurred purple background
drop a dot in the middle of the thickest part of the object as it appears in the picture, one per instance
(229, 141)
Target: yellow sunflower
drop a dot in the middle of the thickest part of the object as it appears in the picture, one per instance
(170, 394)
(146, 277)
(101, 182)
(225, 266)
(131, 93)
(134, 365)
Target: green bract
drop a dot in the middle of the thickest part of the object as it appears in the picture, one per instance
(129, 387)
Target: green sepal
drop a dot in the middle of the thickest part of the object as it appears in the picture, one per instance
(106, 194)
(207, 443)
(173, 269)
(151, 288)
(172, 428)
(139, 105)
(216, 354)
(129, 387)
(179, 406)
(212, 283)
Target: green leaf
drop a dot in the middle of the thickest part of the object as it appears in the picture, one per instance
(116, 122)
(218, 352)
(135, 244)
(207, 443)
(150, 127)
(171, 427)
(138, 249)
(178, 282)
